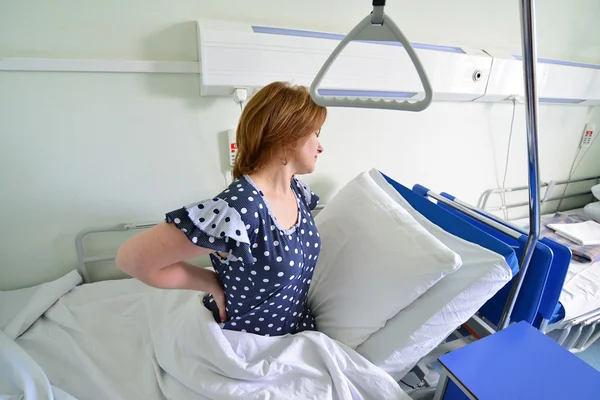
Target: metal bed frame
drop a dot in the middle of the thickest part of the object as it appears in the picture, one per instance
(577, 334)
(482, 204)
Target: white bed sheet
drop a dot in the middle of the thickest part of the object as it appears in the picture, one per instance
(124, 340)
(581, 291)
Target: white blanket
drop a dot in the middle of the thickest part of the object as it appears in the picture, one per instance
(124, 340)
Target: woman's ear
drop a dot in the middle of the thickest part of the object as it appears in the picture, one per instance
(283, 158)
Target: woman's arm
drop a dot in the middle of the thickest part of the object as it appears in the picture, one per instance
(156, 257)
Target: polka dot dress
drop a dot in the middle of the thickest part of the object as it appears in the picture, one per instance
(268, 268)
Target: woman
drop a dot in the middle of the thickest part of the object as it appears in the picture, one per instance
(259, 232)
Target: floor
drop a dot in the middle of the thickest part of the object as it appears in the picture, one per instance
(592, 355)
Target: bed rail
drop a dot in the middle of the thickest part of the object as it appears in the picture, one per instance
(82, 260)
(576, 334)
(485, 196)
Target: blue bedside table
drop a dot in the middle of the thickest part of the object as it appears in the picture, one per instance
(518, 362)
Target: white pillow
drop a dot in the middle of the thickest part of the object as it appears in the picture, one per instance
(592, 211)
(596, 191)
(423, 325)
(375, 260)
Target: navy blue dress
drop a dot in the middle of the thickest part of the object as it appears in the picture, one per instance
(268, 268)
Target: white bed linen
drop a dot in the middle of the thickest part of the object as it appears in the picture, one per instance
(585, 233)
(376, 259)
(124, 340)
(425, 323)
(581, 290)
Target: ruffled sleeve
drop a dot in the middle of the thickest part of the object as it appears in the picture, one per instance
(311, 199)
(214, 225)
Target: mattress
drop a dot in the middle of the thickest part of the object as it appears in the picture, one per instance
(581, 291)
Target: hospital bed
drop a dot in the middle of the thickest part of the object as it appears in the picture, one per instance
(480, 315)
(91, 338)
(575, 322)
(120, 339)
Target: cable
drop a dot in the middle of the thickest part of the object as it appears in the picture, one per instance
(575, 164)
(571, 172)
(410, 386)
(512, 124)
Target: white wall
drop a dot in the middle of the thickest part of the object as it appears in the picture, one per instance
(81, 150)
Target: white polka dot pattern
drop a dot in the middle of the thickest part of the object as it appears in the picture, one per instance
(276, 263)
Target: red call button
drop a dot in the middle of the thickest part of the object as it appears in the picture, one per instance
(589, 133)
(233, 146)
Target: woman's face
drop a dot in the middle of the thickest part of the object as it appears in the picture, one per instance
(308, 153)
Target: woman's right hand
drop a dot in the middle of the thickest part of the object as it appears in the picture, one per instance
(156, 256)
(215, 288)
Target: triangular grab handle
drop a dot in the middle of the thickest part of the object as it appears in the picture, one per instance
(367, 31)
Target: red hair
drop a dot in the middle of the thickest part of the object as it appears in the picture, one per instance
(279, 117)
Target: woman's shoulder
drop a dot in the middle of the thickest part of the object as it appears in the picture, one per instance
(227, 222)
(310, 198)
(242, 197)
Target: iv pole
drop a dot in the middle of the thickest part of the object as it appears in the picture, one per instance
(531, 106)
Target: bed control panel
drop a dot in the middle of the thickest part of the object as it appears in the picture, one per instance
(231, 146)
(588, 134)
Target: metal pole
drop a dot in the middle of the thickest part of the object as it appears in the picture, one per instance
(491, 222)
(531, 101)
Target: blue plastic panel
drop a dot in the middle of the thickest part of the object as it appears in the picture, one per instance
(456, 226)
(453, 392)
(335, 36)
(520, 362)
(550, 100)
(561, 62)
(558, 314)
(549, 307)
(530, 296)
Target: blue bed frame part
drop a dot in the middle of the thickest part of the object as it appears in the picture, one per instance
(550, 308)
(454, 225)
(541, 287)
(538, 300)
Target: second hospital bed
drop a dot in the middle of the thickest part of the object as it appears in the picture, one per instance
(575, 321)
